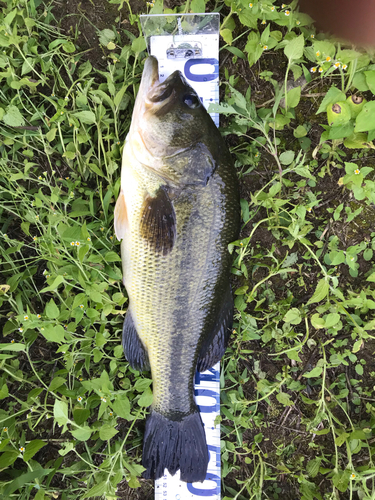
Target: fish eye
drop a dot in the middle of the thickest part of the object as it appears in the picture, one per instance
(191, 100)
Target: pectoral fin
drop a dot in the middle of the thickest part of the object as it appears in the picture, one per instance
(158, 222)
(121, 222)
(214, 346)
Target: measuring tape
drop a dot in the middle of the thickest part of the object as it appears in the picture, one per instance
(207, 394)
(196, 55)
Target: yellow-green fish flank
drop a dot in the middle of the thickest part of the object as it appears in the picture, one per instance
(177, 211)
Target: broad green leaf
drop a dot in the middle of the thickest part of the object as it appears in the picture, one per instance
(97, 170)
(118, 97)
(333, 95)
(370, 80)
(294, 49)
(96, 491)
(12, 347)
(198, 6)
(60, 412)
(146, 398)
(96, 296)
(227, 36)
(69, 154)
(56, 282)
(51, 310)
(100, 340)
(40, 494)
(337, 257)
(315, 372)
(56, 383)
(284, 399)
(247, 19)
(293, 97)
(9, 18)
(87, 117)
(80, 415)
(357, 346)
(107, 432)
(121, 407)
(23, 479)
(293, 355)
(357, 141)
(365, 121)
(142, 384)
(68, 47)
(368, 253)
(331, 320)
(53, 333)
(359, 369)
(321, 292)
(340, 440)
(293, 316)
(84, 69)
(371, 278)
(139, 45)
(317, 322)
(300, 131)
(312, 467)
(341, 480)
(106, 36)
(51, 134)
(32, 448)
(13, 117)
(66, 448)
(236, 51)
(4, 391)
(7, 458)
(82, 434)
(287, 157)
(112, 257)
(341, 131)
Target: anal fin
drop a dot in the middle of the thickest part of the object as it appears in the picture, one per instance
(158, 222)
(213, 347)
(134, 350)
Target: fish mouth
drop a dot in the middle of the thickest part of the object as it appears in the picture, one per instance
(154, 94)
(150, 77)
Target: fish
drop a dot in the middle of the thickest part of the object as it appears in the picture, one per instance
(176, 213)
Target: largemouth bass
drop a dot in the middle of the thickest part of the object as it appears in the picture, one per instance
(176, 213)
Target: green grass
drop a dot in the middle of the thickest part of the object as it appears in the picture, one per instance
(297, 406)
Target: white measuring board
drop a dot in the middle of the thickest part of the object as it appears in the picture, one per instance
(197, 57)
(201, 70)
(207, 394)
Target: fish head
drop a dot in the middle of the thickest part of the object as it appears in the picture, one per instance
(168, 116)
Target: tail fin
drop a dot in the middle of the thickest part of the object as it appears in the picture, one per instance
(175, 444)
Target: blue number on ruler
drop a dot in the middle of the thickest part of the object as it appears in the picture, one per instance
(213, 394)
(206, 493)
(212, 376)
(193, 77)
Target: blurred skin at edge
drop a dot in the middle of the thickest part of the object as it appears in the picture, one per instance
(350, 20)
